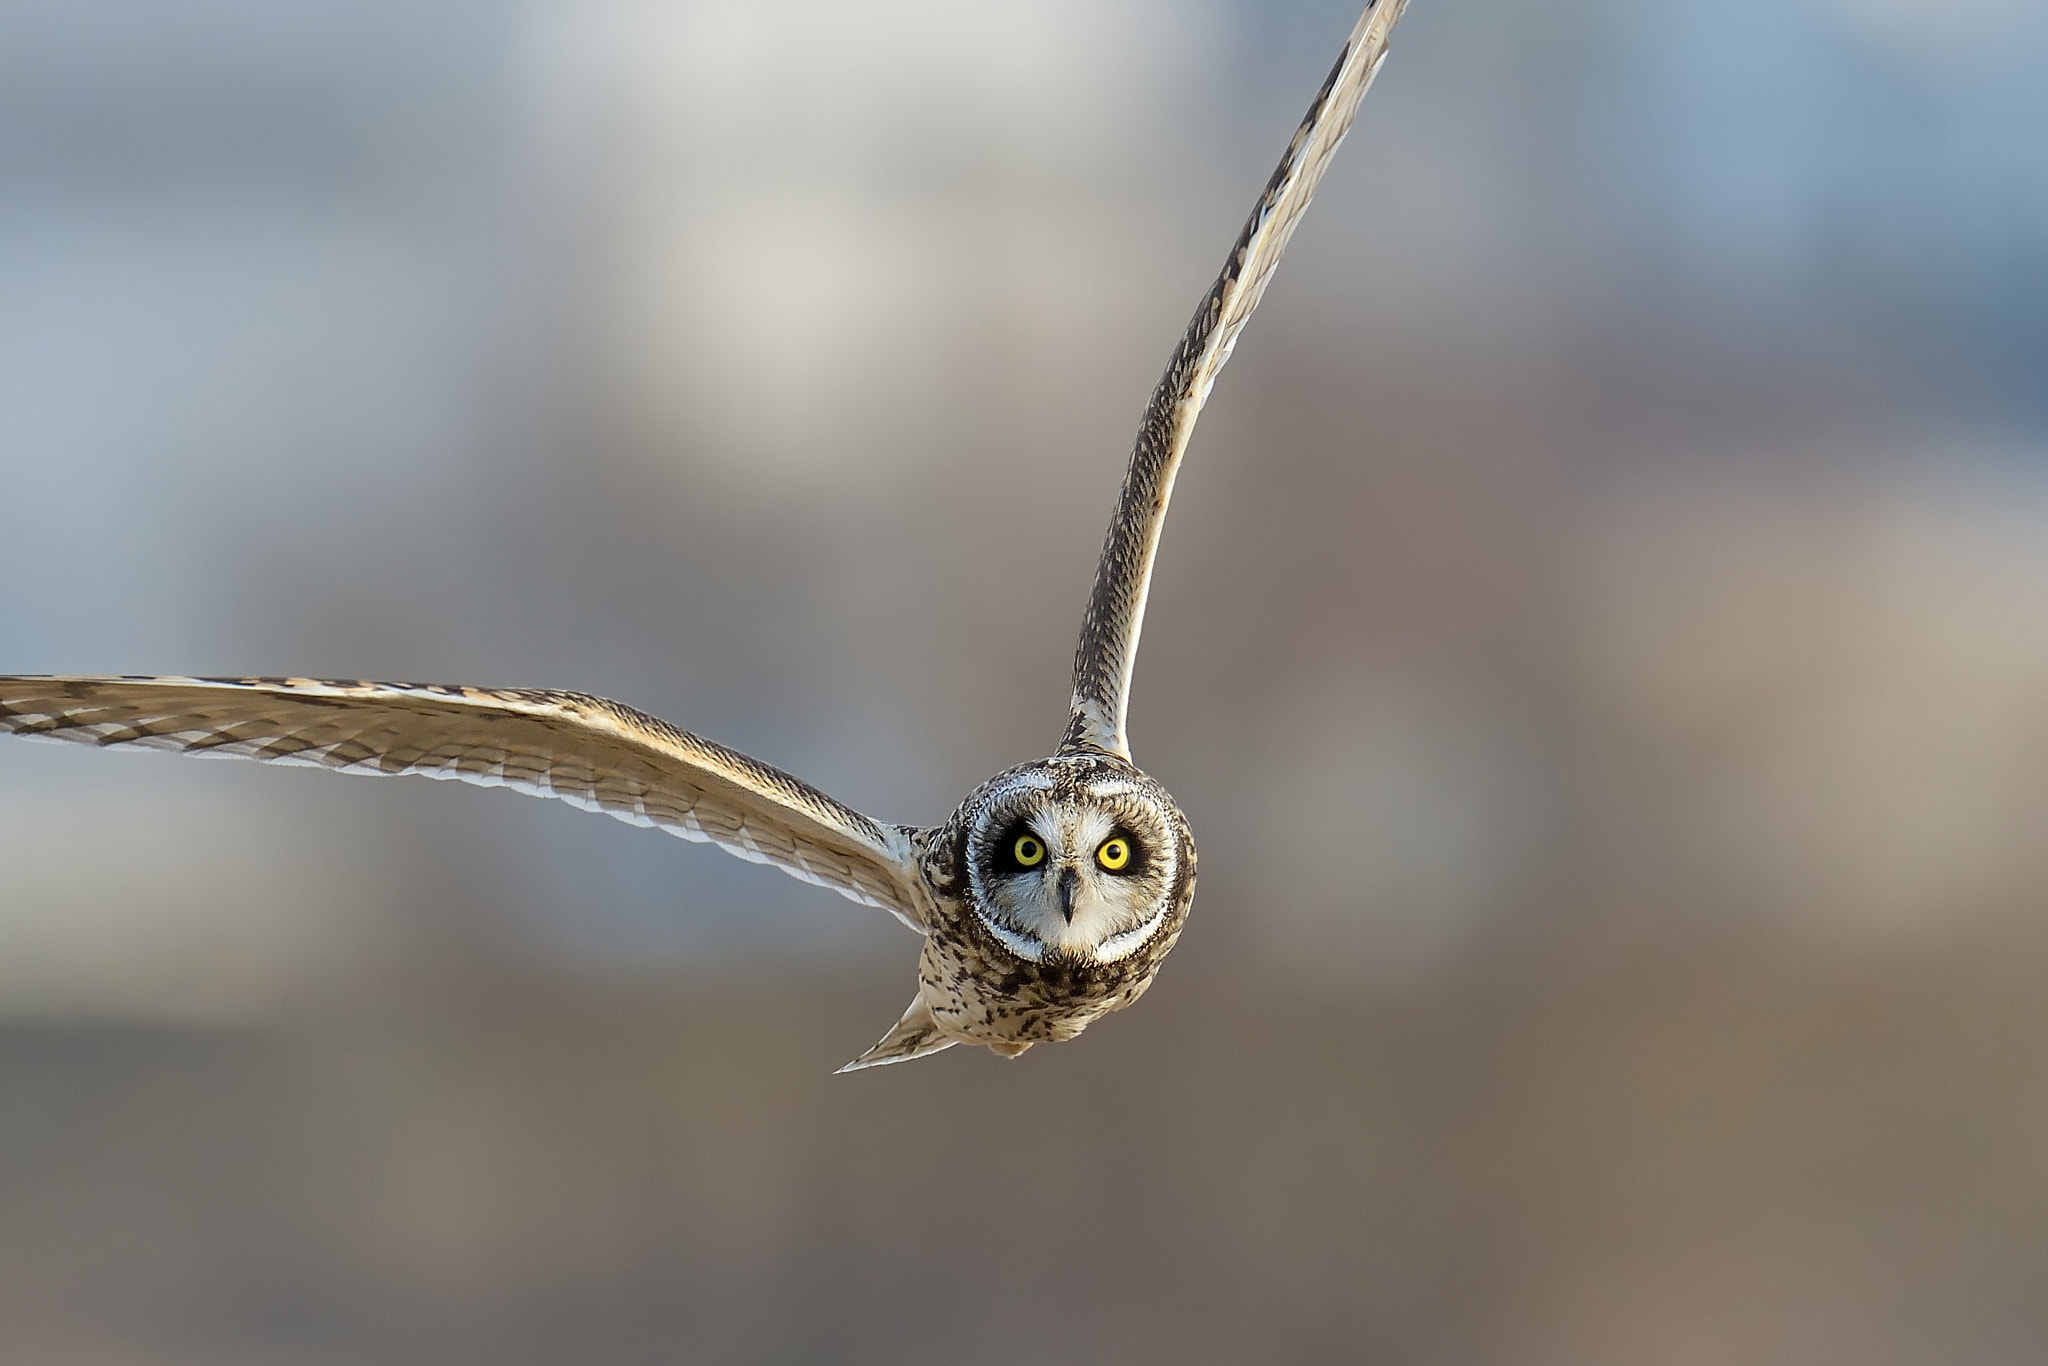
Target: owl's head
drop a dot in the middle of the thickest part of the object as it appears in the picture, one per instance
(1075, 859)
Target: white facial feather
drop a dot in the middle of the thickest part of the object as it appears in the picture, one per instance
(1069, 905)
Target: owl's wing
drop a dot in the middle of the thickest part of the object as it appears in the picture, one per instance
(589, 752)
(1116, 607)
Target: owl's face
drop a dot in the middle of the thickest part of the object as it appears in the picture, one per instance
(1072, 861)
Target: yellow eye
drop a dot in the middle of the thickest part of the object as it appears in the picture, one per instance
(1115, 854)
(1028, 852)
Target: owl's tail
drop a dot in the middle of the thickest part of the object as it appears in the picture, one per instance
(915, 1035)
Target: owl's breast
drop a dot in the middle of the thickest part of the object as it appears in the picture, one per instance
(981, 992)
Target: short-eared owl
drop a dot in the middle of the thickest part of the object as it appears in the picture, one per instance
(1046, 900)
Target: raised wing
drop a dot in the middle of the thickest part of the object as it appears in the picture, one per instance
(587, 751)
(1116, 607)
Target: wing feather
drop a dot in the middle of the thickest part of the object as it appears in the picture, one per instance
(587, 751)
(1116, 606)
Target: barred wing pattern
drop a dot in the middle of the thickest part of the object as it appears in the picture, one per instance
(1116, 607)
(589, 752)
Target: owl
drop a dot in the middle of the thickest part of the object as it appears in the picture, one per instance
(1046, 900)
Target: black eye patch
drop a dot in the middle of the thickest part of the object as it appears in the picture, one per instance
(1019, 850)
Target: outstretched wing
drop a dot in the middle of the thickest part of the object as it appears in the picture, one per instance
(587, 751)
(1116, 607)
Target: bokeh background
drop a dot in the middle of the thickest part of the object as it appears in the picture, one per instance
(1602, 645)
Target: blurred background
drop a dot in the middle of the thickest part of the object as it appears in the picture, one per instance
(1601, 644)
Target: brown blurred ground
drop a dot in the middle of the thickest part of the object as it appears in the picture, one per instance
(1715, 1156)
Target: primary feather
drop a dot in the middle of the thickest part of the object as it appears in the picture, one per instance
(587, 751)
(1116, 607)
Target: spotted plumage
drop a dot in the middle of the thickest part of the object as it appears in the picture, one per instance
(1046, 900)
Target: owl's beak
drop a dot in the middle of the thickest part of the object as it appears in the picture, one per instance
(1068, 881)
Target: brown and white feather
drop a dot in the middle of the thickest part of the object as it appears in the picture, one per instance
(1116, 607)
(587, 751)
